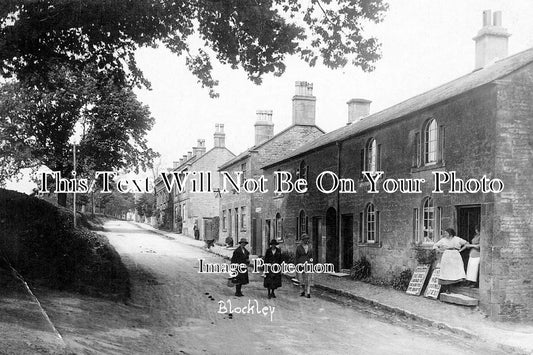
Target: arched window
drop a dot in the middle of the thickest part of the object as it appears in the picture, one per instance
(370, 156)
(302, 171)
(428, 221)
(301, 224)
(430, 142)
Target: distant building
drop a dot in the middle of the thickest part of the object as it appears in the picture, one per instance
(239, 212)
(479, 125)
(200, 208)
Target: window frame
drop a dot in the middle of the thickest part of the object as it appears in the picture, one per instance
(423, 240)
(278, 231)
(224, 220)
(369, 218)
(431, 142)
(243, 218)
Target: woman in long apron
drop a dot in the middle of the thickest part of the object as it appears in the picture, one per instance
(451, 264)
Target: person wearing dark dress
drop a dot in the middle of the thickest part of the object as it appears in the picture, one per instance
(196, 232)
(241, 256)
(273, 279)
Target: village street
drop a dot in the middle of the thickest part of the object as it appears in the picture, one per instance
(174, 310)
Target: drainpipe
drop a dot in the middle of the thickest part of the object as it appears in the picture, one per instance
(339, 149)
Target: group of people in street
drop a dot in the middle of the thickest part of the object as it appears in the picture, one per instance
(272, 280)
(452, 269)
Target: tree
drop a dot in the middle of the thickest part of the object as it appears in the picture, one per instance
(145, 204)
(116, 203)
(256, 35)
(38, 118)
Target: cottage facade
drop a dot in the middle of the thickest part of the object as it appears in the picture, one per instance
(239, 211)
(200, 208)
(478, 127)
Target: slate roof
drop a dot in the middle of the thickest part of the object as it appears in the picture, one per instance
(247, 152)
(429, 98)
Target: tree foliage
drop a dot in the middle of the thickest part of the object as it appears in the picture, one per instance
(256, 35)
(38, 119)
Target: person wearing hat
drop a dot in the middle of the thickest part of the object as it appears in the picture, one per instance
(273, 279)
(304, 253)
(241, 256)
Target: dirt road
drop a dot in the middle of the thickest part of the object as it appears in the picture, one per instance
(176, 310)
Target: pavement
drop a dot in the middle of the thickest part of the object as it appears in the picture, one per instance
(467, 321)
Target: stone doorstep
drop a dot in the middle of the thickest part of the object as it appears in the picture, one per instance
(457, 298)
(338, 274)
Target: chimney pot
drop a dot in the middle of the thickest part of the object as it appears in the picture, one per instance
(219, 136)
(303, 104)
(486, 18)
(264, 127)
(497, 18)
(199, 150)
(175, 164)
(491, 40)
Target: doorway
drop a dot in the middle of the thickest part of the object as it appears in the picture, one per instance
(332, 238)
(347, 241)
(256, 237)
(468, 217)
(317, 238)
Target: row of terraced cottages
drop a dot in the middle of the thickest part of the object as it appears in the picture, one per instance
(479, 125)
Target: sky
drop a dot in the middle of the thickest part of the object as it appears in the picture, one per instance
(425, 43)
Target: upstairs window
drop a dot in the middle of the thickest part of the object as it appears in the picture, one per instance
(371, 156)
(243, 176)
(430, 142)
(302, 171)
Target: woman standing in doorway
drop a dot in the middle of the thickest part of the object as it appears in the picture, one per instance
(472, 268)
(451, 264)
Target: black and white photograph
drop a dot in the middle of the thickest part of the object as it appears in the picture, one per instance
(266, 177)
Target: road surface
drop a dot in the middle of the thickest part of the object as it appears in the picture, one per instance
(176, 310)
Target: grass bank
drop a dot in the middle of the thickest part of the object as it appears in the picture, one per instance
(40, 242)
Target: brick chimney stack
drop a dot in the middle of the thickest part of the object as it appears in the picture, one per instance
(303, 104)
(491, 40)
(199, 150)
(220, 136)
(264, 127)
(358, 109)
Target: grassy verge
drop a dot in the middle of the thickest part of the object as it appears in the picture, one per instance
(41, 243)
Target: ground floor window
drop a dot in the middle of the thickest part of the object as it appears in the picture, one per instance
(426, 222)
(223, 220)
(243, 218)
(301, 225)
(369, 225)
(278, 231)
